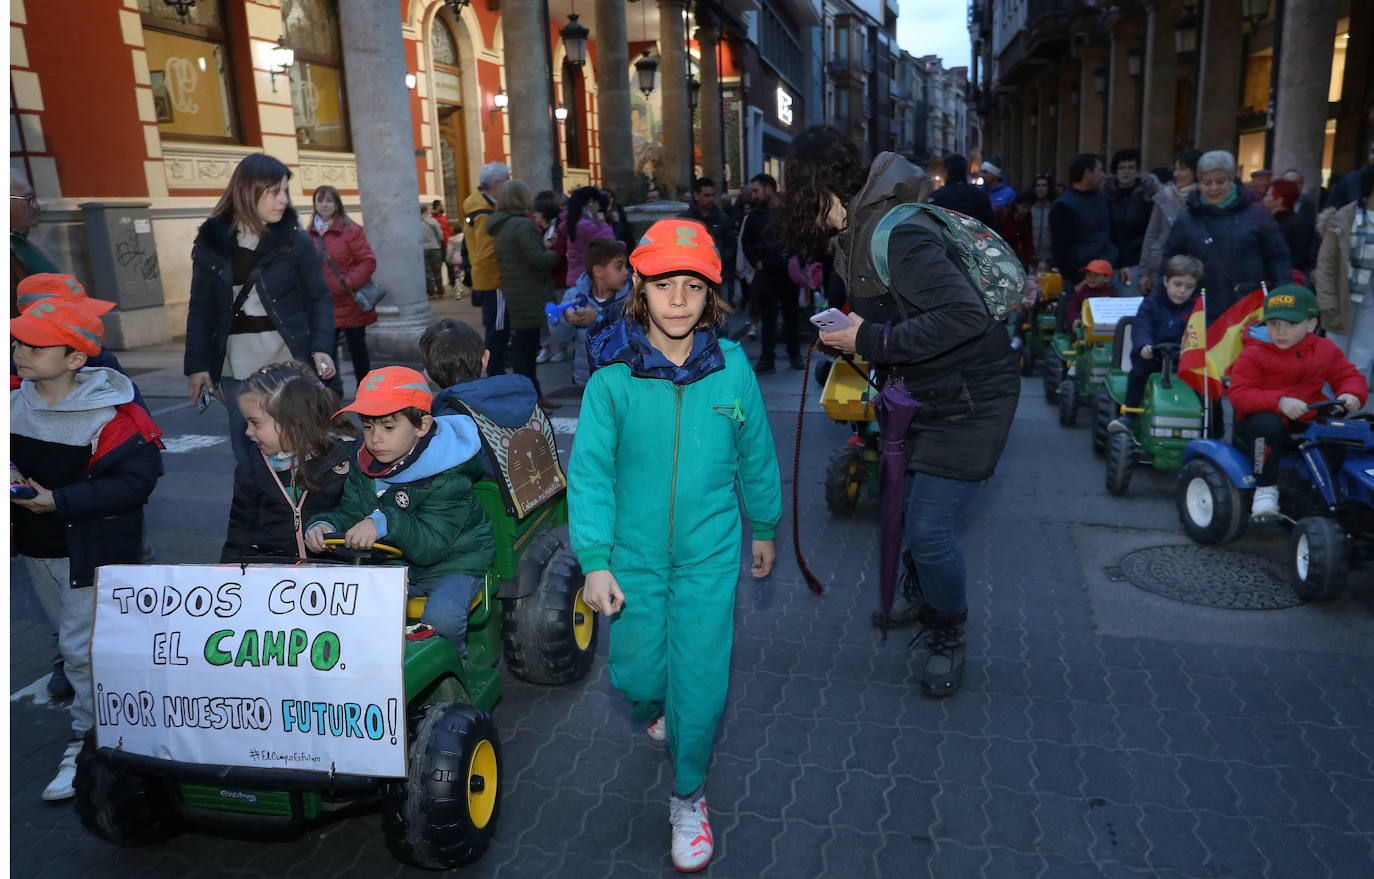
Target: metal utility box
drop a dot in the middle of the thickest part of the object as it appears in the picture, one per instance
(123, 254)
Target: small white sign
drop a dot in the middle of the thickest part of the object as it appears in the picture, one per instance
(1107, 311)
(143, 227)
(285, 667)
(784, 106)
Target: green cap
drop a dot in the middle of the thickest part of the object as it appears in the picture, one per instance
(1291, 303)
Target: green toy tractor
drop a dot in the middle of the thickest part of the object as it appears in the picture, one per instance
(443, 814)
(1169, 417)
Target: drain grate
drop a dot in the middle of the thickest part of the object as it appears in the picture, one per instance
(1210, 577)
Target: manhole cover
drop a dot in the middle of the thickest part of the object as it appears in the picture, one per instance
(1211, 577)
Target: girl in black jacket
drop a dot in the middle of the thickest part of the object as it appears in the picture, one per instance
(930, 328)
(301, 460)
(286, 313)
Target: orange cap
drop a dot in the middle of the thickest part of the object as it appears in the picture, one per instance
(1100, 266)
(390, 389)
(54, 322)
(676, 246)
(49, 285)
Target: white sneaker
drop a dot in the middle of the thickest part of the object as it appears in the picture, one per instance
(692, 843)
(1265, 504)
(558, 357)
(542, 356)
(60, 788)
(658, 730)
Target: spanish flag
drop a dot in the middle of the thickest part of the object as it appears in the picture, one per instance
(1221, 343)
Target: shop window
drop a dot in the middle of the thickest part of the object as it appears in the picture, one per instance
(189, 62)
(318, 98)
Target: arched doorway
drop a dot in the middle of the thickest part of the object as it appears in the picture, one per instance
(448, 95)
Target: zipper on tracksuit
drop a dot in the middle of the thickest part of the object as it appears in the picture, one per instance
(296, 506)
(672, 487)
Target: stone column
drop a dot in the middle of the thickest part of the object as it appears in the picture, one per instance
(527, 84)
(1161, 86)
(1090, 105)
(708, 138)
(1219, 72)
(1049, 130)
(1123, 107)
(613, 95)
(1031, 122)
(1309, 34)
(388, 184)
(1067, 147)
(677, 113)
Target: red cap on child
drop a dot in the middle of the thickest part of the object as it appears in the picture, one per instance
(54, 322)
(677, 245)
(1100, 266)
(390, 389)
(50, 285)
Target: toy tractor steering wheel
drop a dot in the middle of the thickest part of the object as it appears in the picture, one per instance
(381, 552)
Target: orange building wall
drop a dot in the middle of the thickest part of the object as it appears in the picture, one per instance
(90, 113)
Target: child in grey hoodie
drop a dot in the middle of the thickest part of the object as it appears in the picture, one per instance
(83, 462)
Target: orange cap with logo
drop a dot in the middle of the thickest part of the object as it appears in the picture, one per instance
(390, 389)
(677, 246)
(50, 285)
(54, 322)
(1099, 266)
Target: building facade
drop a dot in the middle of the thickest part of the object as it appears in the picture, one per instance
(1268, 80)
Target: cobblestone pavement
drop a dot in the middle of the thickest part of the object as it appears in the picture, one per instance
(1102, 730)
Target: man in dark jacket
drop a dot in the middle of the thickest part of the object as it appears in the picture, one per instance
(1130, 200)
(25, 258)
(706, 212)
(959, 195)
(762, 243)
(1080, 223)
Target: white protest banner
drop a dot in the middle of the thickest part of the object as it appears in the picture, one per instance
(285, 667)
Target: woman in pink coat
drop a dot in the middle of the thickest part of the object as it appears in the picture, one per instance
(343, 241)
(584, 220)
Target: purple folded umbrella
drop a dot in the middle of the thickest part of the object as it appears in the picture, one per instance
(896, 409)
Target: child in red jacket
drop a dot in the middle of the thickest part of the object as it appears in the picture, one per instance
(1273, 383)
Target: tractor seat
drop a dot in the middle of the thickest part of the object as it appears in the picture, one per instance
(1121, 345)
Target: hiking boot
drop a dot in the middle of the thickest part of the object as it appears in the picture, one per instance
(692, 844)
(58, 685)
(658, 730)
(1265, 505)
(764, 367)
(60, 788)
(944, 640)
(907, 604)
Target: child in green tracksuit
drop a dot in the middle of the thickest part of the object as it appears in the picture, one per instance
(671, 421)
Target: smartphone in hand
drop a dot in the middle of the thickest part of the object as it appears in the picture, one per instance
(830, 320)
(203, 402)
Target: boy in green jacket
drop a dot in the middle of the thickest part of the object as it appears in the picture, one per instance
(412, 488)
(672, 420)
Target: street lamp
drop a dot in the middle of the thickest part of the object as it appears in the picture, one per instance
(574, 36)
(646, 69)
(1134, 54)
(281, 58)
(1185, 33)
(560, 113)
(500, 100)
(410, 81)
(1254, 11)
(183, 7)
(1100, 79)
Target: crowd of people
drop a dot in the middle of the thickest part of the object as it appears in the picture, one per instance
(273, 298)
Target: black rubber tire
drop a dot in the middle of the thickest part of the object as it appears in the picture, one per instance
(1052, 374)
(121, 806)
(844, 479)
(1229, 509)
(1120, 462)
(539, 631)
(1328, 558)
(426, 817)
(1104, 410)
(1068, 402)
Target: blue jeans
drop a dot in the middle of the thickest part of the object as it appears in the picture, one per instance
(238, 440)
(932, 508)
(447, 608)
